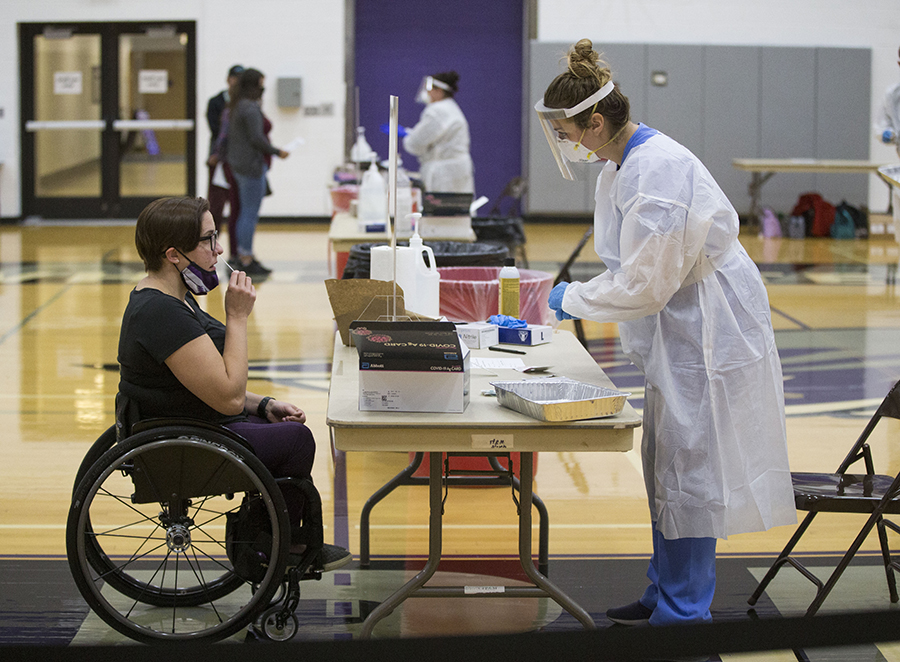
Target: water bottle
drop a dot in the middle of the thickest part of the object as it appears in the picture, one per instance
(404, 203)
(372, 206)
(509, 289)
(362, 152)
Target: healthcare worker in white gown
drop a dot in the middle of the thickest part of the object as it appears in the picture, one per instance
(440, 139)
(694, 317)
(887, 128)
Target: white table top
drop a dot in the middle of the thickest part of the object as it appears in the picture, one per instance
(805, 165)
(344, 233)
(355, 430)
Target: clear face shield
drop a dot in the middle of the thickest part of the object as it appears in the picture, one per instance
(556, 121)
(428, 84)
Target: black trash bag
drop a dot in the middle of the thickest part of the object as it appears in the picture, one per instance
(446, 254)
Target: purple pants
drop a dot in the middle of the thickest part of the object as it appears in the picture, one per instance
(286, 449)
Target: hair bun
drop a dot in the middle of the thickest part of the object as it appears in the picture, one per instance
(583, 59)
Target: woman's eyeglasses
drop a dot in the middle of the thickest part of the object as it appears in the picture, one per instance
(213, 240)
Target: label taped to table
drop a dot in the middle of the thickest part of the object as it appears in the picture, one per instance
(492, 442)
(472, 590)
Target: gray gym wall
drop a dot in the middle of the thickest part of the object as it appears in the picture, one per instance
(722, 103)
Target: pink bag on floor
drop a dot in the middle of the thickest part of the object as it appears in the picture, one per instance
(769, 223)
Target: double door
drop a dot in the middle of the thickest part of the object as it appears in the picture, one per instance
(108, 117)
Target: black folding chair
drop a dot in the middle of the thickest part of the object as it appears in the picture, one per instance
(868, 494)
(565, 275)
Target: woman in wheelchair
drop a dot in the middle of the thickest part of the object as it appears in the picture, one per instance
(178, 361)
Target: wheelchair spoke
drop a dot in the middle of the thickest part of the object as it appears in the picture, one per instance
(198, 575)
(126, 501)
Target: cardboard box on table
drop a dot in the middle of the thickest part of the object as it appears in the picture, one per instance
(356, 298)
(411, 367)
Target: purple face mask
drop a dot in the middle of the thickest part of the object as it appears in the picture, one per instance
(198, 280)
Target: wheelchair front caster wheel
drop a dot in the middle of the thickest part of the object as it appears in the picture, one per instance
(270, 626)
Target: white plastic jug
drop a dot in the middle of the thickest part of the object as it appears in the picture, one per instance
(421, 282)
(372, 206)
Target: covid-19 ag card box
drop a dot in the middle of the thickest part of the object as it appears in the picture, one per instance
(411, 367)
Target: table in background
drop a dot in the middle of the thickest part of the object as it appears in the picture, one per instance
(763, 169)
(344, 234)
(484, 425)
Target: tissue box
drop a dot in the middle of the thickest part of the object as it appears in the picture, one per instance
(411, 367)
(478, 335)
(533, 334)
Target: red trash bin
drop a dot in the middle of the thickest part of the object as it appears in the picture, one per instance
(470, 294)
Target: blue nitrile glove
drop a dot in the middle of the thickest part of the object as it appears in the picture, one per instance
(556, 299)
(507, 321)
(887, 137)
(401, 130)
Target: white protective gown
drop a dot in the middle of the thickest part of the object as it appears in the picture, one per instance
(890, 119)
(890, 112)
(440, 140)
(694, 316)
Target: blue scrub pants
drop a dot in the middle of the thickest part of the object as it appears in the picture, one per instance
(251, 191)
(682, 577)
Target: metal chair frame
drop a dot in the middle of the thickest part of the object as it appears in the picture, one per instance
(871, 494)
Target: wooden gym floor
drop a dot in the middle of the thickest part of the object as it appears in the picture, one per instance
(63, 287)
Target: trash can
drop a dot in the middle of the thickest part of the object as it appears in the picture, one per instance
(446, 254)
(470, 294)
(502, 230)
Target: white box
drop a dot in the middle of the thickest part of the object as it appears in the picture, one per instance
(411, 367)
(478, 335)
(389, 390)
(533, 334)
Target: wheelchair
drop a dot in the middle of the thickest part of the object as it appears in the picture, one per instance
(178, 532)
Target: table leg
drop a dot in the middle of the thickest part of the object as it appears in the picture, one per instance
(434, 549)
(543, 520)
(757, 179)
(526, 481)
(377, 496)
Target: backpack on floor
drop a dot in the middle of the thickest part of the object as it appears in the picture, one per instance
(859, 216)
(796, 227)
(771, 226)
(843, 226)
(818, 212)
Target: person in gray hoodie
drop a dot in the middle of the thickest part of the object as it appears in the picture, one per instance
(247, 152)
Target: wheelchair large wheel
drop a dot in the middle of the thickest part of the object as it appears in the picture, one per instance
(146, 536)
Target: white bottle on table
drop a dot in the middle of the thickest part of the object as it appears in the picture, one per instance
(372, 206)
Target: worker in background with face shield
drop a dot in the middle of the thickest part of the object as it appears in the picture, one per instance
(440, 139)
(887, 128)
(694, 317)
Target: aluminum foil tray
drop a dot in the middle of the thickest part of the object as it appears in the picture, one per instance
(559, 399)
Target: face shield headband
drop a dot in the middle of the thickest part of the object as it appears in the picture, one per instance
(428, 84)
(548, 116)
